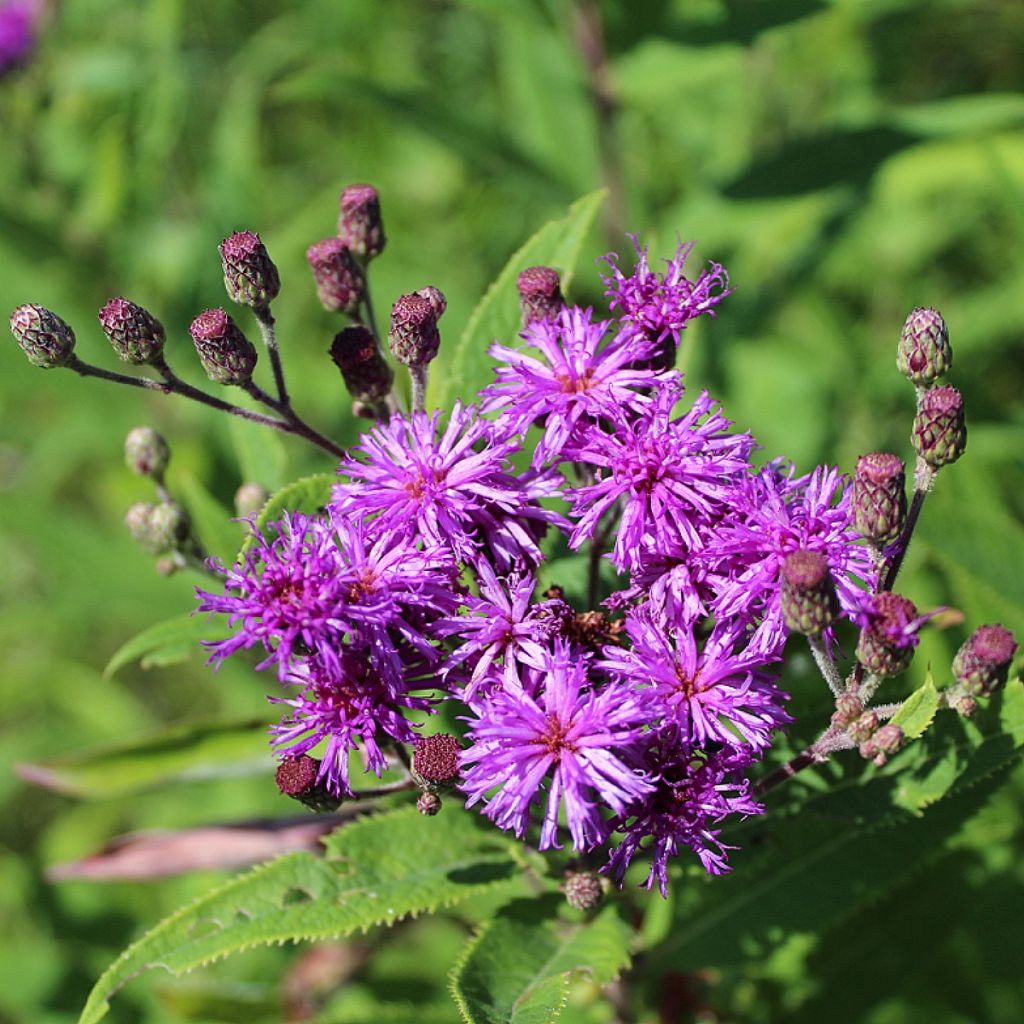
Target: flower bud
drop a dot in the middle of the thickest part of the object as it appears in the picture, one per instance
(414, 338)
(583, 890)
(809, 601)
(168, 526)
(137, 520)
(168, 565)
(297, 777)
(133, 332)
(227, 355)
(879, 497)
(924, 354)
(540, 294)
(435, 762)
(435, 297)
(428, 804)
(982, 664)
(46, 339)
(863, 727)
(146, 452)
(889, 739)
(848, 709)
(359, 223)
(367, 376)
(249, 499)
(250, 277)
(339, 279)
(940, 433)
(962, 703)
(889, 636)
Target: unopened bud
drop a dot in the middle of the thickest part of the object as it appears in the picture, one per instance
(436, 299)
(889, 738)
(583, 890)
(435, 762)
(364, 370)
(982, 664)
(249, 499)
(46, 339)
(227, 355)
(133, 332)
(297, 777)
(414, 337)
(429, 803)
(168, 526)
(136, 519)
(359, 221)
(863, 727)
(168, 565)
(339, 279)
(868, 750)
(940, 432)
(887, 642)
(879, 497)
(809, 602)
(540, 294)
(848, 709)
(924, 353)
(250, 277)
(146, 452)
(962, 703)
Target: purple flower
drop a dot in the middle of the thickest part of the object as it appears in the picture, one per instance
(694, 791)
(584, 376)
(569, 747)
(501, 626)
(773, 517)
(717, 691)
(672, 477)
(18, 20)
(659, 306)
(448, 488)
(348, 705)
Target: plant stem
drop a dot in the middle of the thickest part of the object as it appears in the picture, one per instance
(924, 478)
(293, 423)
(826, 665)
(385, 790)
(418, 376)
(265, 319)
(817, 753)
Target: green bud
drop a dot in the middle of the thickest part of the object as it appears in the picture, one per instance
(924, 354)
(146, 452)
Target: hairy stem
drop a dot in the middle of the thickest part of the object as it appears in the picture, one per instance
(826, 664)
(418, 376)
(293, 423)
(265, 319)
(924, 478)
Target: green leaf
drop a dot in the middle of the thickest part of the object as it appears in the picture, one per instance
(917, 712)
(165, 643)
(517, 969)
(308, 495)
(261, 455)
(178, 753)
(376, 870)
(497, 316)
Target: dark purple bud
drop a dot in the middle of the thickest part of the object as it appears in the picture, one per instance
(133, 332)
(863, 727)
(435, 761)
(249, 499)
(887, 641)
(879, 497)
(250, 277)
(339, 279)
(940, 433)
(146, 452)
(583, 890)
(227, 355)
(540, 294)
(46, 339)
(297, 777)
(364, 370)
(924, 354)
(982, 664)
(429, 803)
(414, 338)
(809, 602)
(436, 299)
(359, 222)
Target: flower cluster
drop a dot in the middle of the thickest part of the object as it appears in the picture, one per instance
(629, 729)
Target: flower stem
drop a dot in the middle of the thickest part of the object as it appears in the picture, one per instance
(265, 319)
(924, 478)
(418, 376)
(293, 423)
(826, 665)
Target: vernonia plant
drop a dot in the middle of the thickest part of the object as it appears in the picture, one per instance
(539, 638)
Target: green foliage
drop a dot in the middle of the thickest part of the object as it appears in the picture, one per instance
(376, 871)
(517, 969)
(918, 711)
(165, 643)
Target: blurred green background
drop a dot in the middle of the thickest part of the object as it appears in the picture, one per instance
(845, 160)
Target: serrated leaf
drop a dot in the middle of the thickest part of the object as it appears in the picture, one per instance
(261, 455)
(917, 712)
(517, 969)
(185, 752)
(165, 643)
(308, 494)
(376, 870)
(497, 316)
